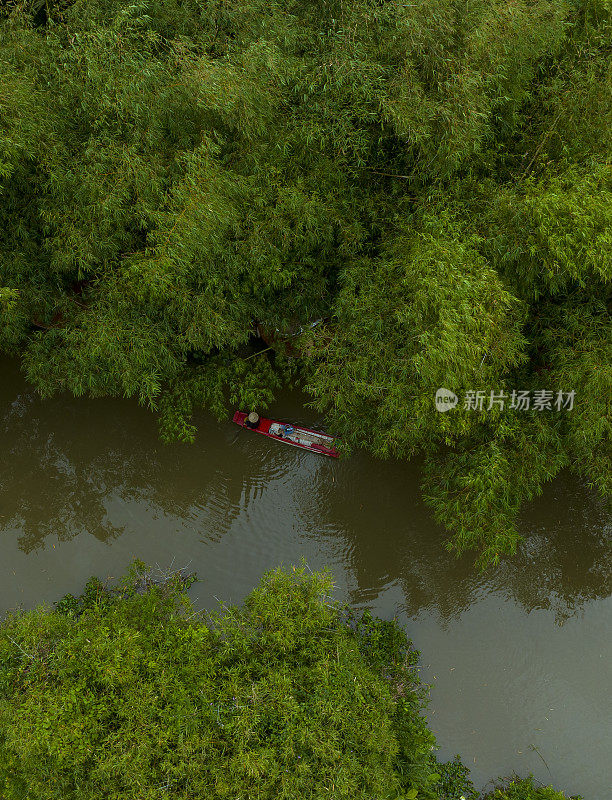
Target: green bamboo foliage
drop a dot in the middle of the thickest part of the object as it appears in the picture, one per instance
(130, 694)
(432, 179)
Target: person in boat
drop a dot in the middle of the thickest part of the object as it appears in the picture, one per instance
(251, 420)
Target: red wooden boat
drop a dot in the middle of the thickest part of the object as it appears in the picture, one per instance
(294, 435)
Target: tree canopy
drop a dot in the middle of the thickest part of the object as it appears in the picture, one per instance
(131, 694)
(432, 180)
(128, 693)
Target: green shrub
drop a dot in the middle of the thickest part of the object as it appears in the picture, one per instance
(526, 789)
(129, 694)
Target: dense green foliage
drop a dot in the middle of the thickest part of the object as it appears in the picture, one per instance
(433, 179)
(131, 694)
(525, 789)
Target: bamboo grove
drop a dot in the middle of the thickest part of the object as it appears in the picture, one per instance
(431, 179)
(129, 693)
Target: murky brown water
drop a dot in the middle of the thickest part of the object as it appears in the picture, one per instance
(519, 657)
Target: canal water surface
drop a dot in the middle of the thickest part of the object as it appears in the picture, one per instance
(519, 657)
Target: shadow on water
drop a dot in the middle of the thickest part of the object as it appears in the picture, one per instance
(73, 467)
(563, 561)
(68, 462)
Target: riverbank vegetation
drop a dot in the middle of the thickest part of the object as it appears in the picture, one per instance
(431, 180)
(524, 789)
(130, 694)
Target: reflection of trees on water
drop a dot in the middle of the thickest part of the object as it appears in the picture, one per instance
(563, 562)
(566, 557)
(67, 462)
(393, 538)
(75, 466)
